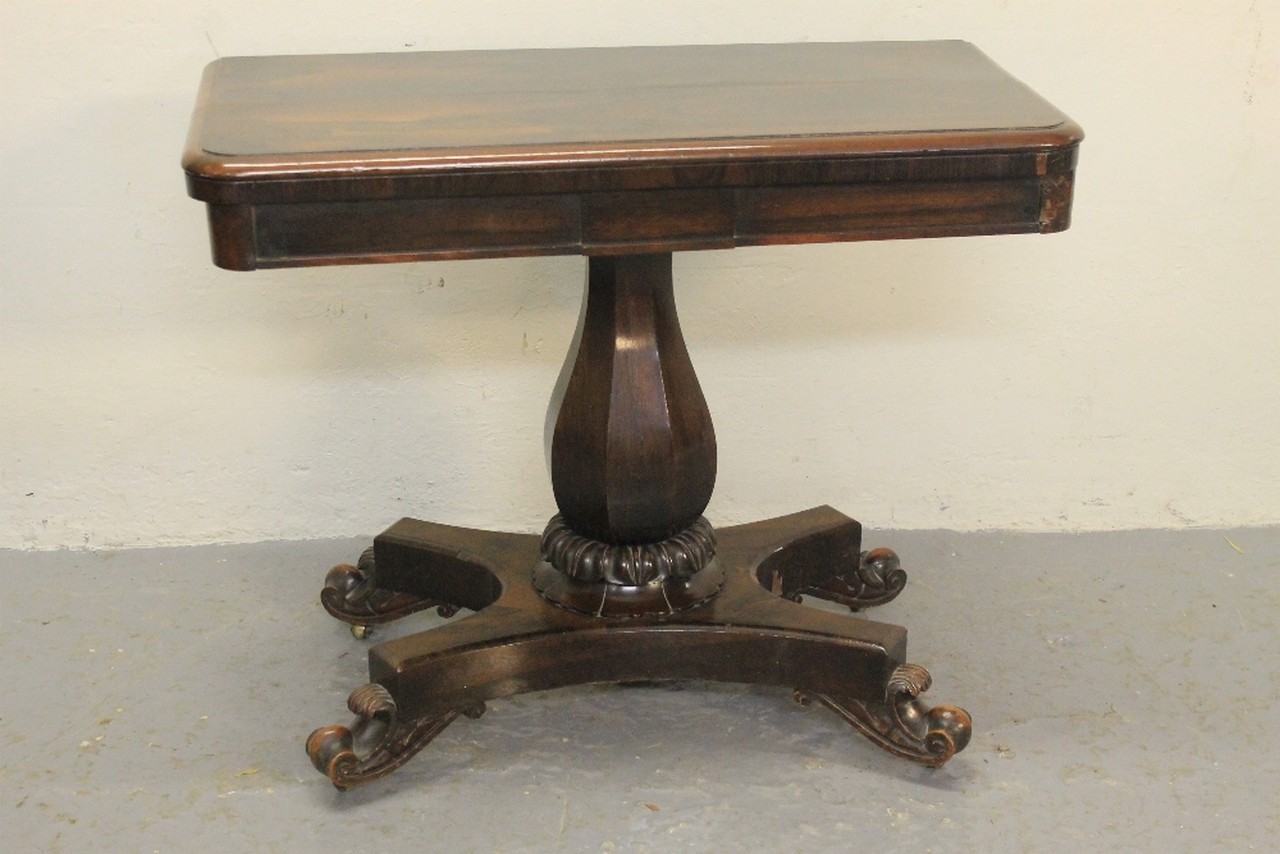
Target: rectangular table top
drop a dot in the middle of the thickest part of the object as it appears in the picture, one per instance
(561, 133)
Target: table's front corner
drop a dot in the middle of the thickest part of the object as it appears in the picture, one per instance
(1056, 170)
(231, 229)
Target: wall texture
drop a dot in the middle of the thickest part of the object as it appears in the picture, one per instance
(1123, 374)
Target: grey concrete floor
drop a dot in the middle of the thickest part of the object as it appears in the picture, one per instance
(1121, 686)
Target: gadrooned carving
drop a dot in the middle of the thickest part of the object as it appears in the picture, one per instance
(585, 559)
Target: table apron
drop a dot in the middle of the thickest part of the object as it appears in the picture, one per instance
(250, 236)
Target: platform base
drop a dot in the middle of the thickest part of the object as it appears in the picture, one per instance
(749, 630)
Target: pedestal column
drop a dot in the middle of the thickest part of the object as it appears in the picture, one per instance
(633, 452)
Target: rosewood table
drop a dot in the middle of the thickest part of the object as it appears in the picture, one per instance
(624, 155)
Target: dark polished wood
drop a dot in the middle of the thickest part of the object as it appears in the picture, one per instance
(625, 155)
(518, 642)
(633, 452)
(790, 641)
(289, 115)
(398, 157)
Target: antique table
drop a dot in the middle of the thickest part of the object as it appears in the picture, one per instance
(624, 155)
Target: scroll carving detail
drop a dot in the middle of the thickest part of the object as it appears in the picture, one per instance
(902, 724)
(332, 749)
(351, 594)
(877, 578)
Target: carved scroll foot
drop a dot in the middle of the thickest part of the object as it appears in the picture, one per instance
(332, 749)
(902, 724)
(351, 594)
(878, 578)
(824, 559)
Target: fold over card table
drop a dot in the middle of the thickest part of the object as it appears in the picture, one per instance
(622, 155)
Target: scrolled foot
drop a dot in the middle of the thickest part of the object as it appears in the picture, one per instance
(878, 578)
(903, 725)
(881, 575)
(332, 749)
(351, 594)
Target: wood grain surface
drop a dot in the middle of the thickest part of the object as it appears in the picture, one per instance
(396, 157)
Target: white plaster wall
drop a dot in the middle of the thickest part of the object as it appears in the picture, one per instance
(1123, 374)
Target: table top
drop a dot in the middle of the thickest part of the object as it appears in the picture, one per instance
(279, 115)
(549, 124)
